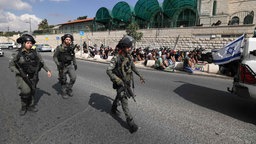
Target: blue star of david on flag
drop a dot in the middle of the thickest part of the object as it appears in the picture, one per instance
(231, 50)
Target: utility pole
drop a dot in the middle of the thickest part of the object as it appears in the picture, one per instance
(30, 25)
(7, 34)
(29, 22)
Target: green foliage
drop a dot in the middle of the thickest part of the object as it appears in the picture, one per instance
(10, 33)
(43, 28)
(131, 30)
(43, 25)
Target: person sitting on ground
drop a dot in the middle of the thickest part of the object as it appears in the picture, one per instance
(106, 52)
(159, 65)
(85, 47)
(170, 62)
(133, 54)
(194, 57)
(153, 55)
(164, 58)
(187, 64)
(141, 53)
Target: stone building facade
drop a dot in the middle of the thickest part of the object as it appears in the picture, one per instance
(210, 11)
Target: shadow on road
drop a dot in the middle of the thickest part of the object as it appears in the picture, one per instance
(103, 104)
(220, 101)
(57, 87)
(39, 94)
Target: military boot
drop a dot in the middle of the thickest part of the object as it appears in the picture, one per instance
(23, 110)
(32, 108)
(132, 126)
(114, 109)
(64, 96)
(69, 92)
(64, 92)
(31, 105)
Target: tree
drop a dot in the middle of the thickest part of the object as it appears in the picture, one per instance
(43, 25)
(131, 30)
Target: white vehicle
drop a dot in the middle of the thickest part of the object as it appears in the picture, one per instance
(244, 84)
(1, 53)
(43, 47)
(7, 45)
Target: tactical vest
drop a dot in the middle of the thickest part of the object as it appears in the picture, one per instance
(123, 68)
(66, 55)
(30, 63)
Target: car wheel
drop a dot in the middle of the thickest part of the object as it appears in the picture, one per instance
(210, 60)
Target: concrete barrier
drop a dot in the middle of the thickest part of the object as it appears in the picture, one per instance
(178, 66)
(85, 55)
(97, 57)
(109, 58)
(77, 53)
(150, 63)
(213, 68)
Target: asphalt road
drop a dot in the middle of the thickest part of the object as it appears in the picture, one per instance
(170, 108)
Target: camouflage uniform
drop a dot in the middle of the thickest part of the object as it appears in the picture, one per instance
(65, 60)
(120, 71)
(29, 62)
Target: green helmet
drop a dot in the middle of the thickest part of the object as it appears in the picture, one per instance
(125, 42)
(67, 35)
(24, 38)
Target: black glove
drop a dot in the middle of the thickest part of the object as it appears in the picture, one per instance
(59, 67)
(75, 66)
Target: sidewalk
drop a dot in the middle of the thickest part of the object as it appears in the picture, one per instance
(142, 66)
(196, 72)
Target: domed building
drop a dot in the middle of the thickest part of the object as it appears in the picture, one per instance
(177, 13)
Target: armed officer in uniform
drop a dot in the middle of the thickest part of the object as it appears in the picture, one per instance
(64, 57)
(26, 64)
(120, 71)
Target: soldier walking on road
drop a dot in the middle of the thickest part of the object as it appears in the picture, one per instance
(64, 57)
(26, 64)
(120, 71)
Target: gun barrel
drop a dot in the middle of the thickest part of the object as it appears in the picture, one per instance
(128, 92)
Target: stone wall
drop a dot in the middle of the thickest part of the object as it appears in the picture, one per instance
(189, 38)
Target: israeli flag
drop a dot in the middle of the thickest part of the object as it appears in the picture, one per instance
(229, 53)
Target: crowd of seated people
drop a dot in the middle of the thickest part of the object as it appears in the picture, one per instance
(164, 58)
(103, 51)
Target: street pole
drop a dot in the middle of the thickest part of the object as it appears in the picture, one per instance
(30, 25)
(29, 22)
(8, 33)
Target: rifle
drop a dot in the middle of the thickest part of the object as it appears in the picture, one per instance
(31, 85)
(127, 91)
(125, 86)
(72, 49)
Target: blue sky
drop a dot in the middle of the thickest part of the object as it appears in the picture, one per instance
(19, 14)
